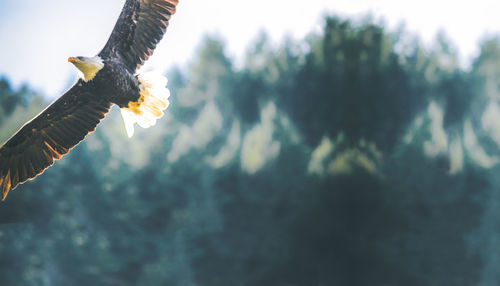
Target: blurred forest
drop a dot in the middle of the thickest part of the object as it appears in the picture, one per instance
(353, 157)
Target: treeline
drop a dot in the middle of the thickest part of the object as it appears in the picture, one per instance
(353, 157)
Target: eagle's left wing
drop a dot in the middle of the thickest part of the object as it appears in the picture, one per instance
(50, 135)
(139, 28)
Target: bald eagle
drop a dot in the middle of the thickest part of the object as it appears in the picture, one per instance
(108, 78)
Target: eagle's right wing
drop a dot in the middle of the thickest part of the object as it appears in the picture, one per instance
(50, 135)
(139, 28)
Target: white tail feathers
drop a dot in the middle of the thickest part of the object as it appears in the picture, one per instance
(150, 106)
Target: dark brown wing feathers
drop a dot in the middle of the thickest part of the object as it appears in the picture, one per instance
(49, 136)
(65, 123)
(141, 25)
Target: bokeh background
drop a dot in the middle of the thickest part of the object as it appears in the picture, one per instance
(353, 152)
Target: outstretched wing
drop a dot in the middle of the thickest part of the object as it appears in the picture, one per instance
(139, 28)
(50, 135)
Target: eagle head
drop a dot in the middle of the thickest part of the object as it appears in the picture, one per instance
(88, 66)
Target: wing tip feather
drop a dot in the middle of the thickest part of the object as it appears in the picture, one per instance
(6, 185)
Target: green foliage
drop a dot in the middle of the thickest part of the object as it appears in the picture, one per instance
(353, 158)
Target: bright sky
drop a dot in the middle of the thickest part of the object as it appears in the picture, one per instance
(37, 37)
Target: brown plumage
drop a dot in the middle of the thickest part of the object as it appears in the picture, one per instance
(66, 122)
(49, 136)
(139, 28)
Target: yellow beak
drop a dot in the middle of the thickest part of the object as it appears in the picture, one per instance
(71, 60)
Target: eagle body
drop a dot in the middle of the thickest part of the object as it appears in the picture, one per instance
(108, 78)
(115, 83)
